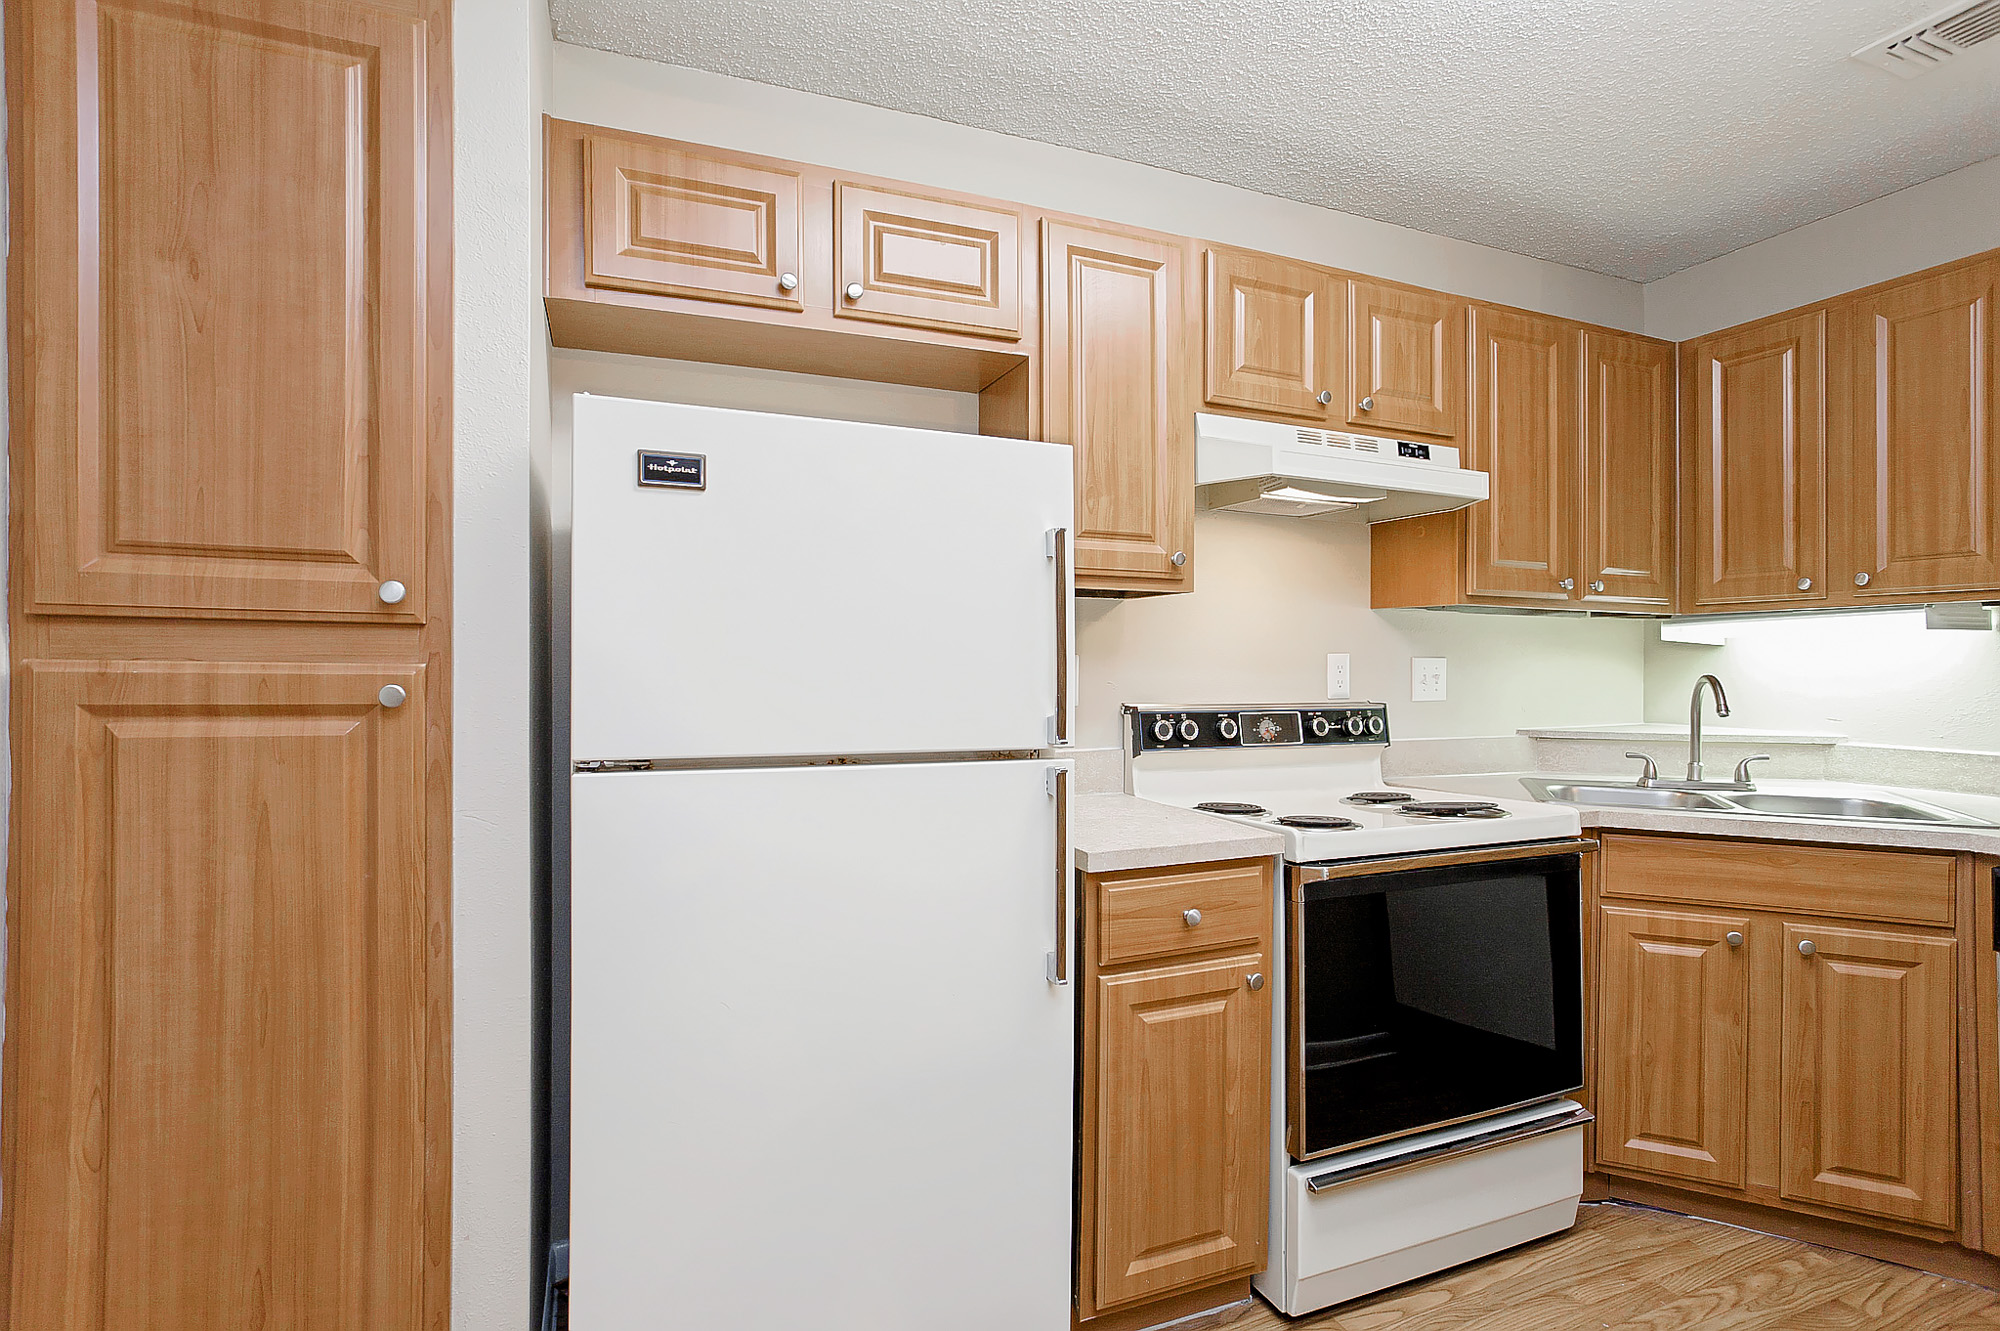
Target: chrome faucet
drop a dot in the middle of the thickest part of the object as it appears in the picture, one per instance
(1694, 721)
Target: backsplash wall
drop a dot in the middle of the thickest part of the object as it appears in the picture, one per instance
(1879, 678)
(1274, 595)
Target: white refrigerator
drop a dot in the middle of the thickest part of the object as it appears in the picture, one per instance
(821, 1025)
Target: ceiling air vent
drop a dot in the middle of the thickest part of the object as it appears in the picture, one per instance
(1922, 47)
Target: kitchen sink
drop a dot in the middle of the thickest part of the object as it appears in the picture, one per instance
(1848, 805)
(1627, 797)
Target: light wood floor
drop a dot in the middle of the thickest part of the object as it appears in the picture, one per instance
(1637, 1270)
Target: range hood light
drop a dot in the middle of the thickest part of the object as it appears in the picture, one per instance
(1285, 497)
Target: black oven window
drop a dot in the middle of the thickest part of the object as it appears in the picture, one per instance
(1431, 996)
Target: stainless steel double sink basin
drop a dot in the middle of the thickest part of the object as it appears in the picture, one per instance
(1842, 804)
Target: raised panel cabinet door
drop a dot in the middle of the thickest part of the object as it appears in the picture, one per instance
(1112, 314)
(672, 221)
(1183, 1126)
(1406, 359)
(227, 1084)
(925, 262)
(1755, 470)
(235, 251)
(1628, 470)
(1674, 1005)
(1921, 471)
(1272, 334)
(1869, 1072)
(1521, 540)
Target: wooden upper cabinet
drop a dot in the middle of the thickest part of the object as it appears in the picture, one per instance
(1521, 542)
(1754, 466)
(1628, 471)
(1406, 359)
(668, 221)
(1273, 334)
(1673, 1026)
(1183, 1063)
(1920, 469)
(927, 262)
(233, 281)
(237, 1084)
(1114, 388)
(1870, 1119)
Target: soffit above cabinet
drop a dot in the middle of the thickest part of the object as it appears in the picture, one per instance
(1630, 140)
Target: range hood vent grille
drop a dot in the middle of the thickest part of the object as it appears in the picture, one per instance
(1355, 443)
(1924, 46)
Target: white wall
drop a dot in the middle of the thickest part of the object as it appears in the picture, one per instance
(499, 55)
(1878, 679)
(646, 97)
(1940, 220)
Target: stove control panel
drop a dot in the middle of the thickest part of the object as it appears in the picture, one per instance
(1152, 730)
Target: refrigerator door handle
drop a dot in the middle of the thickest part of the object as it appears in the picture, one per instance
(1058, 960)
(1057, 550)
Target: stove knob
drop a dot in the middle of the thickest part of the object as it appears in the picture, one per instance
(1356, 723)
(1163, 730)
(1321, 727)
(1375, 726)
(1190, 731)
(1226, 727)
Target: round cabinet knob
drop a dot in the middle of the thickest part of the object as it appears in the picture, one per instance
(1597, 586)
(1226, 727)
(1861, 579)
(392, 695)
(391, 592)
(1805, 584)
(1324, 396)
(1256, 981)
(853, 291)
(1806, 947)
(1163, 730)
(1191, 918)
(788, 281)
(1375, 725)
(1733, 938)
(1356, 724)
(1367, 404)
(1322, 727)
(1180, 559)
(1190, 731)
(1567, 584)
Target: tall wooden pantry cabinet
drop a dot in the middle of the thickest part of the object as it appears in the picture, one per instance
(227, 1075)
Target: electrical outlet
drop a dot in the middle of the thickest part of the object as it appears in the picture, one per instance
(1337, 685)
(1427, 679)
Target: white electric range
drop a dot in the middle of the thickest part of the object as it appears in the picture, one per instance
(1431, 1021)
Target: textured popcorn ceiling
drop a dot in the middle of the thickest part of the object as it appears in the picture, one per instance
(1632, 137)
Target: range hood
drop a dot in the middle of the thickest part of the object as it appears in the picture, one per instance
(1250, 466)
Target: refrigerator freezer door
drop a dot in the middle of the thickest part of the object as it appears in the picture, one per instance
(830, 1087)
(835, 587)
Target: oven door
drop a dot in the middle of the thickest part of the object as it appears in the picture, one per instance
(1429, 990)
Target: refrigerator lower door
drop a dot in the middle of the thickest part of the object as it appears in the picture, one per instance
(833, 588)
(820, 1077)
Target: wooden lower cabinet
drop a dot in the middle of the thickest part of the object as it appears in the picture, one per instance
(226, 1083)
(1672, 1062)
(1870, 1118)
(1176, 1071)
(1796, 1062)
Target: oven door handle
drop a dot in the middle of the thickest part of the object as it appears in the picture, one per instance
(1430, 1155)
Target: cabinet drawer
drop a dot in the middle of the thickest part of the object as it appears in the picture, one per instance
(1144, 913)
(1821, 880)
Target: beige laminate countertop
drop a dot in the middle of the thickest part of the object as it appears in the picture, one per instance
(1112, 832)
(1979, 841)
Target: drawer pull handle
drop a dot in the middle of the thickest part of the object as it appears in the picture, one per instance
(1191, 918)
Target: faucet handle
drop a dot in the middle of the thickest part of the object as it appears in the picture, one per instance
(1652, 772)
(1743, 768)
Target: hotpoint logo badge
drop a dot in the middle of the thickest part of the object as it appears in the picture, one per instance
(674, 471)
